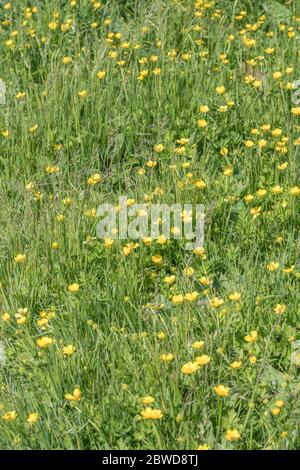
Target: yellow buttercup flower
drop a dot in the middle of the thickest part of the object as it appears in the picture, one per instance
(108, 242)
(235, 296)
(148, 400)
(167, 357)
(236, 365)
(21, 316)
(224, 151)
(9, 416)
(20, 258)
(191, 296)
(101, 74)
(53, 25)
(282, 166)
(296, 111)
(83, 94)
(202, 123)
(200, 184)
(32, 418)
(182, 141)
(5, 133)
(75, 396)
(228, 171)
(290, 269)
(252, 337)
(33, 129)
(280, 309)
(158, 148)
(204, 109)
(73, 287)
(261, 192)
(44, 342)
(94, 179)
(220, 90)
(161, 335)
(277, 132)
(216, 302)
(20, 95)
(69, 350)
(151, 413)
(277, 190)
(203, 447)
(232, 435)
(255, 211)
(67, 60)
(262, 143)
(198, 345)
(52, 169)
(190, 367)
(202, 360)
(249, 144)
(157, 259)
(294, 191)
(170, 279)
(275, 411)
(151, 164)
(252, 359)
(204, 280)
(177, 299)
(273, 266)
(221, 390)
(161, 240)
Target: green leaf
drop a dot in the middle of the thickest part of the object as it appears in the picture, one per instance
(278, 12)
(273, 376)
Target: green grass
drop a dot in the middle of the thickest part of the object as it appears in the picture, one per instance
(123, 302)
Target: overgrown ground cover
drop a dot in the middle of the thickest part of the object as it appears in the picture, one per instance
(140, 344)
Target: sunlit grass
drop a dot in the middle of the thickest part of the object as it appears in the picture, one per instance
(162, 101)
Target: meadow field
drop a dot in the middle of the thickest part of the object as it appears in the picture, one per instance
(141, 343)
